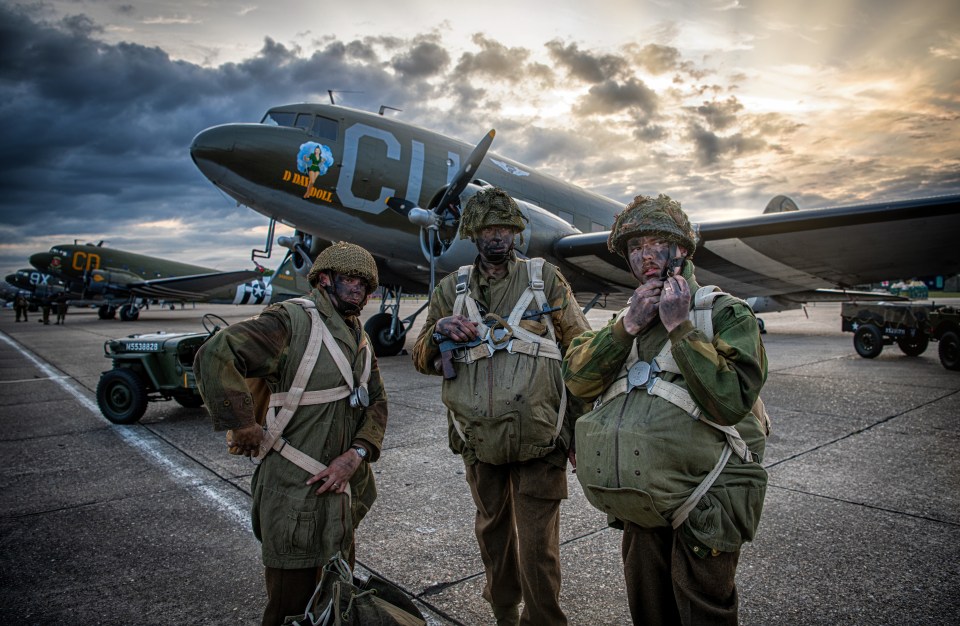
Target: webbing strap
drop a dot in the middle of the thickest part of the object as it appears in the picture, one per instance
(304, 461)
(278, 420)
(680, 515)
(297, 396)
(323, 396)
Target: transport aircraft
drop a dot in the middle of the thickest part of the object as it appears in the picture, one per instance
(127, 280)
(335, 173)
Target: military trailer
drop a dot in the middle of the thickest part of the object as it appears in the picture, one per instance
(151, 368)
(910, 326)
(945, 328)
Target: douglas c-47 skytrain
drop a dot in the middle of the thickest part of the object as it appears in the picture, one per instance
(335, 173)
(126, 279)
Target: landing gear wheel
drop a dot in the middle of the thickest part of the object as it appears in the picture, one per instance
(122, 396)
(384, 344)
(950, 350)
(212, 323)
(107, 312)
(868, 341)
(129, 313)
(913, 346)
(193, 401)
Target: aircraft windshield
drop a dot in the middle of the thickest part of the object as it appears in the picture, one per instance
(322, 127)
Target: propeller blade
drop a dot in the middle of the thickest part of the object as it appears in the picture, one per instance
(451, 197)
(400, 205)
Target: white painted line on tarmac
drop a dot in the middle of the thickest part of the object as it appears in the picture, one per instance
(146, 443)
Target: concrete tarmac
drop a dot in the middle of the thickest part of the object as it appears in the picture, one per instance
(148, 524)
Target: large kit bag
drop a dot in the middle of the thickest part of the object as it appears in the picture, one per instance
(342, 600)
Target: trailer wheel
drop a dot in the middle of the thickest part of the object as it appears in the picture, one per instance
(950, 350)
(913, 346)
(868, 341)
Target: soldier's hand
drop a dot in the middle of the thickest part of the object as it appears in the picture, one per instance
(245, 440)
(644, 305)
(336, 478)
(572, 455)
(458, 328)
(675, 302)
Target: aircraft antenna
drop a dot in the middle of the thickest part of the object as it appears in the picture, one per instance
(383, 107)
(330, 92)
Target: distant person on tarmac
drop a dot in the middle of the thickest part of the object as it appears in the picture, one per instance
(314, 484)
(61, 309)
(45, 310)
(20, 306)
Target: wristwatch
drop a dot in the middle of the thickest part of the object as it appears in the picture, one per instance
(361, 452)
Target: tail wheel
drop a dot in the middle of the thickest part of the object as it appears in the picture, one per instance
(913, 346)
(868, 341)
(122, 396)
(950, 350)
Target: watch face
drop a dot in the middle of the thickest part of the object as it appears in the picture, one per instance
(361, 451)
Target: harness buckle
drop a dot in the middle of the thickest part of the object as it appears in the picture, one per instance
(359, 397)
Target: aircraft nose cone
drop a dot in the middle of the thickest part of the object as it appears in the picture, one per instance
(41, 260)
(211, 142)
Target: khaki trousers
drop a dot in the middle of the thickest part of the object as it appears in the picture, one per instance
(667, 584)
(518, 532)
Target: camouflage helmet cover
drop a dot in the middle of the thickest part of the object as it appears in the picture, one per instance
(347, 259)
(646, 216)
(490, 207)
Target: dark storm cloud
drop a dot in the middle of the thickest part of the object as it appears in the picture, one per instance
(584, 65)
(493, 60)
(709, 146)
(720, 115)
(424, 59)
(614, 97)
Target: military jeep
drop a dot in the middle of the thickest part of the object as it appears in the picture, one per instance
(150, 368)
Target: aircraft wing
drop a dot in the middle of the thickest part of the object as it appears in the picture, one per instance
(803, 253)
(194, 287)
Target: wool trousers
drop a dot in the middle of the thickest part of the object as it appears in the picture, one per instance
(518, 532)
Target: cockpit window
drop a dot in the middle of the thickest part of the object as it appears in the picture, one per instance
(322, 127)
(303, 121)
(325, 128)
(278, 118)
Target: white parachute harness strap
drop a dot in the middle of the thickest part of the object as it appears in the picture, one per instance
(702, 317)
(296, 396)
(522, 341)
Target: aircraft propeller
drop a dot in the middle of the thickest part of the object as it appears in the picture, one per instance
(446, 213)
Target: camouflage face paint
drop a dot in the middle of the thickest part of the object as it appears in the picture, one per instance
(494, 243)
(349, 293)
(648, 257)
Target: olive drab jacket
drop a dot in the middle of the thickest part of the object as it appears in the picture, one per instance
(297, 528)
(642, 457)
(504, 405)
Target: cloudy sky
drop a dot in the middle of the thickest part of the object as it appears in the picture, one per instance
(720, 103)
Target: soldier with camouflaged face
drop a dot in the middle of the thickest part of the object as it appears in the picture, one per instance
(672, 405)
(507, 410)
(313, 484)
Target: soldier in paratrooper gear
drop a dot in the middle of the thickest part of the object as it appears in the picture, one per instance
(508, 413)
(313, 484)
(672, 450)
(21, 306)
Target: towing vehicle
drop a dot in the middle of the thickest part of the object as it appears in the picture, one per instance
(911, 326)
(151, 368)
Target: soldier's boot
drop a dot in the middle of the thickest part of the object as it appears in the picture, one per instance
(507, 615)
